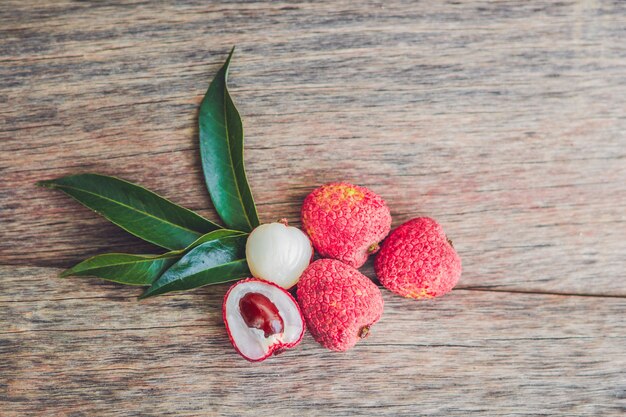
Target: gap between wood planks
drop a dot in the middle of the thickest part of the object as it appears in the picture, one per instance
(458, 289)
(565, 294)
(476, 289)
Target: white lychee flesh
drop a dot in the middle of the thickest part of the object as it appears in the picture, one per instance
(278, 253)
(250, 342)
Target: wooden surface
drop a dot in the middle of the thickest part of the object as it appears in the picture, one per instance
(504, 120)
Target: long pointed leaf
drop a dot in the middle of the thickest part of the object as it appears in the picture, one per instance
(124, 268)
(131, 269)
(135, 209)
(212, 262)
(214, 235)
(221, 150)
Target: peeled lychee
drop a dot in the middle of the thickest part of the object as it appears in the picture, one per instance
(345, 222)
(418, 261)
(261, 319)
(339, 303)
(278, 253)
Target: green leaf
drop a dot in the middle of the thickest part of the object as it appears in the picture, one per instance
(135, 209)
(221, 150)
(213, 262)
(124, 268)
(138, 269)
(214, 235)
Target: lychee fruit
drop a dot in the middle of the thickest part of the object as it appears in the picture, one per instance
(339, 304)
(418, 261)
(278, 253)
(262, 319)
(345, 222)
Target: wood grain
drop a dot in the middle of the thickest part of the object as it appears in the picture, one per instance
(80, 347)
(504, 120)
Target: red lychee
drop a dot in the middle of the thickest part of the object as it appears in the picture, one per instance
(345, 222)
(418, 261)
(339, 304)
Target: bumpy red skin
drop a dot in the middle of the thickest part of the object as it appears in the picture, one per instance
(274, 349)
(339, 303)
(345, 222)
(417, 260)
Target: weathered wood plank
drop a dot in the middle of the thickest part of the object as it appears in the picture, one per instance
(505, 121)
(80, 347)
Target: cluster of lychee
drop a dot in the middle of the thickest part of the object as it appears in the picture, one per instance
(345, 224)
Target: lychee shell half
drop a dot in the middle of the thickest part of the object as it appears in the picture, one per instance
(251, 343)
(339, 303)
(345, 222)
(418, 261)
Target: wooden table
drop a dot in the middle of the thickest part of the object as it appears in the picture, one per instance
(505, 121)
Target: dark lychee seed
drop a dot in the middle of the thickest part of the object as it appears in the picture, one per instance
(259, 312)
